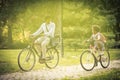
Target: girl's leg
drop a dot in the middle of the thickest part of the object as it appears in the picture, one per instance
(100, 46)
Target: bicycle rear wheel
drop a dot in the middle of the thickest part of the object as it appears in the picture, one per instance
(52, 58)
(105, 59)
(26, 59)
(87, 60)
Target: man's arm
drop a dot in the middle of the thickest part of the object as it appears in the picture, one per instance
(40, 30)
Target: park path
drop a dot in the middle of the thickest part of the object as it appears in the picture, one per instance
(59, 72)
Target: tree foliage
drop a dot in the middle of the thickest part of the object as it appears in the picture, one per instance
(19, 18)
(80, 15)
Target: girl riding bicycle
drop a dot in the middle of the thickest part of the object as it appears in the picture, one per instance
(88, 58)
(98, 39)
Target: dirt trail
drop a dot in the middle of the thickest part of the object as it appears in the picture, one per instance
(58, 73)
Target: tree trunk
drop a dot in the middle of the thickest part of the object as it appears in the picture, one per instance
(10, 36)
(0, 35)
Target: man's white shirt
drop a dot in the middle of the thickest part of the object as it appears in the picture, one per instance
(48, 29)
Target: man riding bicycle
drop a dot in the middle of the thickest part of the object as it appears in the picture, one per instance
(48, 29)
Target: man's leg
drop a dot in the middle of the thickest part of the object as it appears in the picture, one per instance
(37, 44)
(44, 46)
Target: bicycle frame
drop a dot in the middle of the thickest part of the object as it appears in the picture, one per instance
(92, 49)
(31, 53)
(32, 47)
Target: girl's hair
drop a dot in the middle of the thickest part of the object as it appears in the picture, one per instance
(96, 28)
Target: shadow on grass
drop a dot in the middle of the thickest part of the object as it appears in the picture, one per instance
(6, 67)
(8, 61)
(113, 74)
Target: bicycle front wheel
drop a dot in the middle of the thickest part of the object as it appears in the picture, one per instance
(105, 59)
(26, 59)
(87, 60)
(52, 58)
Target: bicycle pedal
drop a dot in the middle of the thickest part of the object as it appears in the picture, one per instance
(42, 62)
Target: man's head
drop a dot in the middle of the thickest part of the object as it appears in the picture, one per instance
(95, 29)
(47, 19)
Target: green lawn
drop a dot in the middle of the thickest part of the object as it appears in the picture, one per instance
(113, 74)
(8, 59)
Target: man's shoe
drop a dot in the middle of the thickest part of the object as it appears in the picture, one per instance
(42, 60)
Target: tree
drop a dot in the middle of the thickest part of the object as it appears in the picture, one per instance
(2, 18)
(112, 7)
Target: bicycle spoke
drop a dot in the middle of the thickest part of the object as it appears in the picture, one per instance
(26, 59)
(53, 58)
(87, 60)
(105, 59)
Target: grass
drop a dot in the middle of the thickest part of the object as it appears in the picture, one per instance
(8, 59)
(113, 74)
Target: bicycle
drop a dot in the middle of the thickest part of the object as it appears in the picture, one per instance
(27, 56)
(89, 60)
